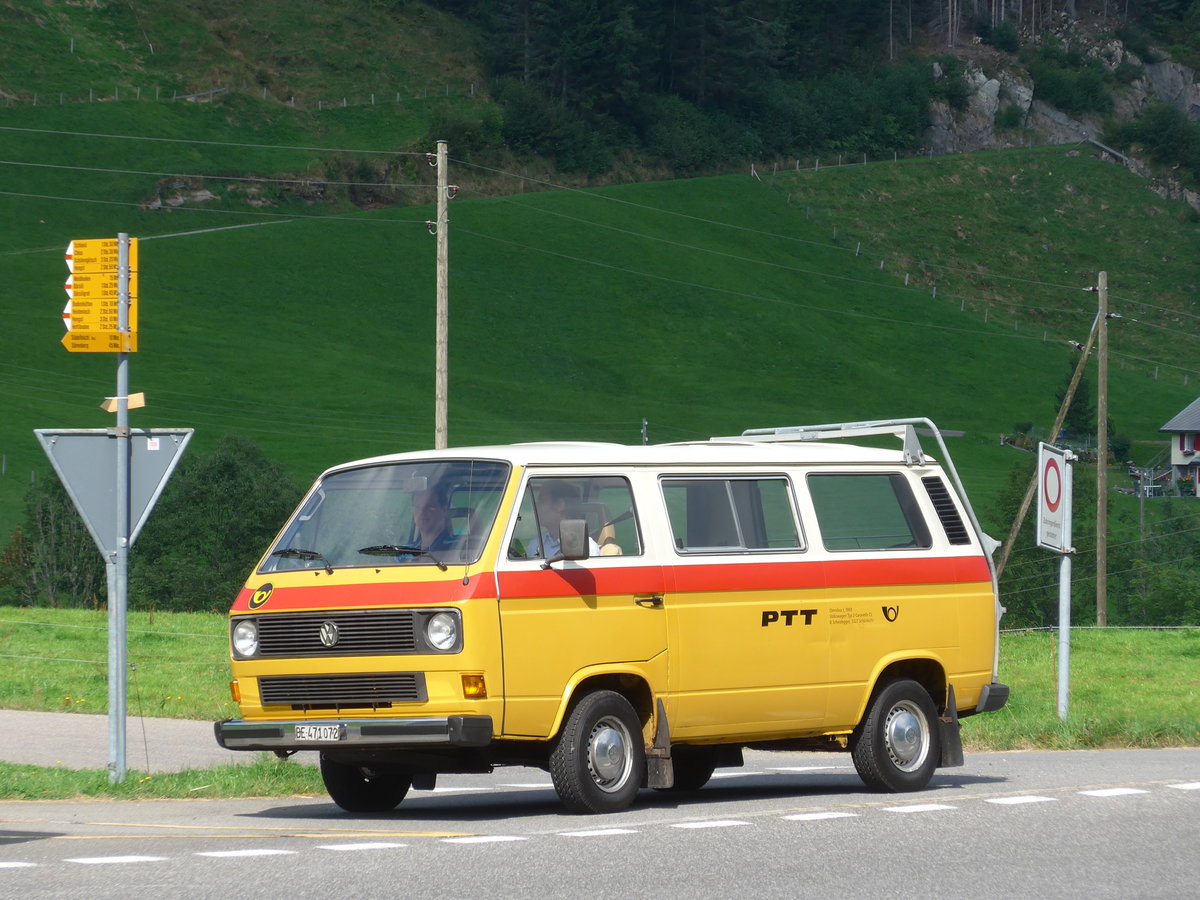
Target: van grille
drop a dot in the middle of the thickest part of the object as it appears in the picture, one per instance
(367, 691)
(952, 523)
(370, 633)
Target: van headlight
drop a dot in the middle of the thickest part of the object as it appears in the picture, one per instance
(441, 630)
(245, 638)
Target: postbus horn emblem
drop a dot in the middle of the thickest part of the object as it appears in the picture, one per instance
(329, 634)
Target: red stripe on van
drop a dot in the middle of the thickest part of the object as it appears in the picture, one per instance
(836, 573)
(745, 576)
(340, 596)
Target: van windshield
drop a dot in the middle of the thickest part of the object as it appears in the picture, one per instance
(434, 513)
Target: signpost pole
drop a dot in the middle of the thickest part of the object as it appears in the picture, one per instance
(1054, 533)
(1064, 634)
(118, 598)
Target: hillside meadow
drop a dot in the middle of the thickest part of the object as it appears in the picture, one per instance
(703, 306)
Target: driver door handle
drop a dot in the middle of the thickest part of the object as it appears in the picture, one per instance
(650, 602)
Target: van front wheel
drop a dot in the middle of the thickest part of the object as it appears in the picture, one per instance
(362, 789)
(897, 745)
(598, 759)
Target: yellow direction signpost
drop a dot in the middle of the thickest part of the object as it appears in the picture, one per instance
(101, 317)
(95, 288)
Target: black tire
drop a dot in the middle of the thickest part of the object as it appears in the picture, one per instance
(693, 767)
(598, 760)
(362, 789)
(897, 745)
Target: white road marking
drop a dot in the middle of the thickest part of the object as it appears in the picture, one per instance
(110, 860)
(375, 846)
(1113, 792)
(250, 851)
(17, 865)
(919, 807)
(598, 832)
(484, 839)
(1016, 801)
(1189, 786)
(806, 768)
(715, 823)
(818, 816)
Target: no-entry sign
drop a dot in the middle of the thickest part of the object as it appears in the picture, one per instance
(1054, 499)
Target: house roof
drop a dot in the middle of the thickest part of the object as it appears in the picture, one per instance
(1187, 421)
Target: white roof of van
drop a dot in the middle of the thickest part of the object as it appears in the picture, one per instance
(715, 452)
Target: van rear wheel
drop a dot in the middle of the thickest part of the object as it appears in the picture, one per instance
(896, 747)
(599, 757)
(364, 789)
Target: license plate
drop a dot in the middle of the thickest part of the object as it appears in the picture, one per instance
(320, 732)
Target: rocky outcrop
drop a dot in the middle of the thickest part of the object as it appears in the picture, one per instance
(1001, 111)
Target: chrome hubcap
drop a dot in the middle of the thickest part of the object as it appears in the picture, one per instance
(608, 755)
(907, 737)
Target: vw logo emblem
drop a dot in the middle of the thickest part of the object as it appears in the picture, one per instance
(329, 634)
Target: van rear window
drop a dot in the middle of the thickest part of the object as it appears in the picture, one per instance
(731, 514)
(870, 511)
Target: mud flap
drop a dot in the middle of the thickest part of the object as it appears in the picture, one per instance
(951, 736)
(660, 772)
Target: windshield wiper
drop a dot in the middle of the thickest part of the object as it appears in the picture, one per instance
(297, 553)
(389, 549)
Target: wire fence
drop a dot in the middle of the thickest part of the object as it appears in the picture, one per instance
(396, 95)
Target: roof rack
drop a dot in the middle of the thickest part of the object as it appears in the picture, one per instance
(900, 428)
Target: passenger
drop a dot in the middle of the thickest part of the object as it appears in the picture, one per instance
(553, 498)
(431, 516)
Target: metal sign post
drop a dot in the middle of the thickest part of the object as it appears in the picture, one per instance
(101, 317)
(1054, 533)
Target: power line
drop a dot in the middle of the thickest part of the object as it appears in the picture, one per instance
(254, 179)
(196, 142)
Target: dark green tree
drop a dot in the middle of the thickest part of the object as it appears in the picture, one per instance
(212, 523)
(52, 560)
(1080, 421)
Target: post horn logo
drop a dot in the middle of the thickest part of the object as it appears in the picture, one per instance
(891, 613)
(261, 596)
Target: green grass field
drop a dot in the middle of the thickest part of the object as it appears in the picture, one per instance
(1129, 689)
(704, 306)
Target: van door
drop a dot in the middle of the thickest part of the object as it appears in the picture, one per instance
(603, 614)
(749, 633)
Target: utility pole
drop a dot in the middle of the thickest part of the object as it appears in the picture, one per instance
(441, 231)
(1102, 455)
(1007, 546)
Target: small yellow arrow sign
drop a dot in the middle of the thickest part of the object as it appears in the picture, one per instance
(100, 342)
(99, 255)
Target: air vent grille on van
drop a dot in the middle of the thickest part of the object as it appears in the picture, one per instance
(370, 690)
(956, 530)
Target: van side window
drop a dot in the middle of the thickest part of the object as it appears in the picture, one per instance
(605, 502)
(731, 514)
(867, 512)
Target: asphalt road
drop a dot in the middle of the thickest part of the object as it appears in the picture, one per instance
(1103, 824)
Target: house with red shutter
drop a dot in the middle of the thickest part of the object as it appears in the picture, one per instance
(1185, 448)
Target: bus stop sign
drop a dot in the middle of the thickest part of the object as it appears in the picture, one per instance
(85, 460)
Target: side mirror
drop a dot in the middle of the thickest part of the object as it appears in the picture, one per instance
(572, 541)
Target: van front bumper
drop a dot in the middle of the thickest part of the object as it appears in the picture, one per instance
(326, 734)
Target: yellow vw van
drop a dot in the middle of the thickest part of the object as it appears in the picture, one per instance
(621, 616)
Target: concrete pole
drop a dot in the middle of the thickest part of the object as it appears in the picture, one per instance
(441, 381)
(1102, 456)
